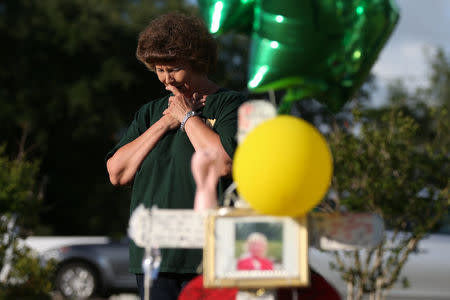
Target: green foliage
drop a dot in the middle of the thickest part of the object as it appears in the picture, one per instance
(383, 168)
(19, 208)
(387, 167)
(394, 161)
(18, 188)
(30, 278)
(439, 89)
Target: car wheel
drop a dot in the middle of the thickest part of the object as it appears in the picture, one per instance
(76, 281)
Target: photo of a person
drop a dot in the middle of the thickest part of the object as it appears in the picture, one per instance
(255, 256)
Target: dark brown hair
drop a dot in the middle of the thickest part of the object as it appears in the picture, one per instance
(177, 37)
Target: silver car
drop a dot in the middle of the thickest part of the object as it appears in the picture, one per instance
(85, 270)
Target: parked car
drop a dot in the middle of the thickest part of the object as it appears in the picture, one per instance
(427, 269)
(91, 269)
(102, 268)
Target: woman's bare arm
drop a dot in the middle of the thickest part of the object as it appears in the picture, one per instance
(202, 137)
(123, 165)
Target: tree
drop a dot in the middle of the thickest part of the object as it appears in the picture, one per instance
(22, 274)
(394, 162)
(382, 170)
(439, 88)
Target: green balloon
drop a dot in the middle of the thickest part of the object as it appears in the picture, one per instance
(320, 49)
(222, 16)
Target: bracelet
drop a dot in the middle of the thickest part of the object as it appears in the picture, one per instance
(186, 117)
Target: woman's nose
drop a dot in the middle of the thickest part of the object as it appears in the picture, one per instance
(169, 78)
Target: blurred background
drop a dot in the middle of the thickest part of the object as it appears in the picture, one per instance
(70, 84)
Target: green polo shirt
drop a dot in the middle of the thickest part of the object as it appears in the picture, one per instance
(164, 178)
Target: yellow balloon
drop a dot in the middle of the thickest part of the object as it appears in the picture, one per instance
(283, 167)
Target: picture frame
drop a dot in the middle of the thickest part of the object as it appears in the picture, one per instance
(247, 250)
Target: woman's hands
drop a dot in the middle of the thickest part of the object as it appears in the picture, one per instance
(200, 135)
(179, 106)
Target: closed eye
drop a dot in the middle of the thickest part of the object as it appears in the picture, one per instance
(168, 70)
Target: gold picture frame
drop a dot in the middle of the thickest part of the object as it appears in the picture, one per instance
(225, 265)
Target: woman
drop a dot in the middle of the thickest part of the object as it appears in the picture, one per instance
(155, 153)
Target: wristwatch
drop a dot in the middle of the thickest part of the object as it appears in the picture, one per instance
(186, 117)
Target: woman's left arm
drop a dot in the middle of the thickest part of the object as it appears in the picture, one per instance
(201, 136)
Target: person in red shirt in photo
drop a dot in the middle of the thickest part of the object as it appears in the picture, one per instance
(255, 256)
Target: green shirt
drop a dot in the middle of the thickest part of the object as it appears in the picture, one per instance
(164, 178)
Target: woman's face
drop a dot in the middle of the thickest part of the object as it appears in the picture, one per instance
(179, 75)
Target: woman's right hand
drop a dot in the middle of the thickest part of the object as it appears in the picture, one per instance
(179, 105)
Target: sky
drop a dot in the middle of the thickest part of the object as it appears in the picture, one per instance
(424, 25)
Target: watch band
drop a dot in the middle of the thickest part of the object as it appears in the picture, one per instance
(186, 117)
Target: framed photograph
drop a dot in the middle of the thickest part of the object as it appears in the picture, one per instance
(245, 249)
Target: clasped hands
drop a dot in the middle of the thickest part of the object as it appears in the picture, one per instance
(179, 106)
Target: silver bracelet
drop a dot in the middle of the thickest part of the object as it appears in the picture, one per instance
(186, 117)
